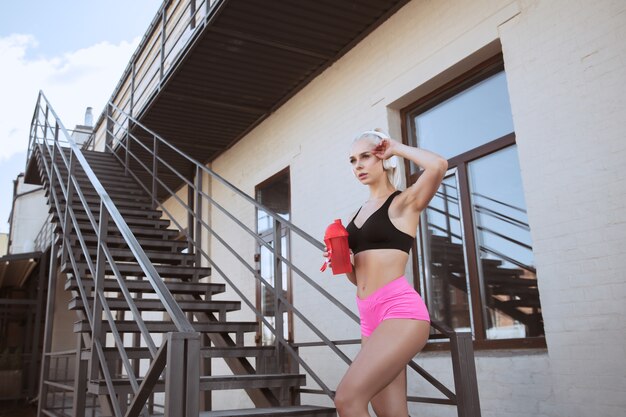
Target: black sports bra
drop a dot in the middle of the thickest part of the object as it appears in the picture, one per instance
(378, 232)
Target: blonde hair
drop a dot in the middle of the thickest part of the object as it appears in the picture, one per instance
(392, 166)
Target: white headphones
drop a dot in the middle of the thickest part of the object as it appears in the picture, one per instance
(389, 163)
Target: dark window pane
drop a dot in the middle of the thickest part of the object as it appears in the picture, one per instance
(507, 277)
(446, 275)
(467, 120)
(274, 196)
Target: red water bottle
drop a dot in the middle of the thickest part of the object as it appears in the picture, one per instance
(336, 239)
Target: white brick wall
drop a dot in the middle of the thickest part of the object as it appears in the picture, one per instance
(566, 66)
(565, 69)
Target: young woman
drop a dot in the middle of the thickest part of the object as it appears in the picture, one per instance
(394, 320)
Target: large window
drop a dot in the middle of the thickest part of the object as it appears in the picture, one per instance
(474, 260)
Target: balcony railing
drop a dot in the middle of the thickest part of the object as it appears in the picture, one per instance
(173, 30)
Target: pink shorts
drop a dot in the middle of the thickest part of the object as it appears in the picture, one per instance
(395, 300)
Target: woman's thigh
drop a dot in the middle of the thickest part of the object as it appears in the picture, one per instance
(391, 400)
(382, 358)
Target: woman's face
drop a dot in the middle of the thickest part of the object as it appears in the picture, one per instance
(365, 165)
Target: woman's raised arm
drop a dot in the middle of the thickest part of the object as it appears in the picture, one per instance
(418, 195)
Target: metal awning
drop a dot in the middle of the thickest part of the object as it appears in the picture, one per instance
(250, 58)
(15, 269)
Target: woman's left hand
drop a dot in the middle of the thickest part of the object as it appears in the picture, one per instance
(385, 149)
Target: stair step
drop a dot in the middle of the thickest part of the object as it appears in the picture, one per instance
(98, 155)
(287, 411)
(156, 257)
(106, 176)
(172, 246)
(134, 270)
(144, 286)
(120, 304)
(94, 163)
(137, 230)
(94, 202)
(126, 326)
(89, 191)
(78, 207)
(205, 352)
(238, 352)
(114, 185)
(210, 383)
(92, 197)
(104, 167)
(139, 221)
(87, 187)
(167, 235)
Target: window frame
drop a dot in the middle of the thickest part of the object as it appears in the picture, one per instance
(258, 293)
(458, 164)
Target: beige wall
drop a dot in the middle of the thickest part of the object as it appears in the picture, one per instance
(63, 336)
(311, 134)
(30, 211)
(4, 243)
(565, 71)
(566, 64)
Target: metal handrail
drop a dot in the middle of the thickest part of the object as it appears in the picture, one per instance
(277, 294)
(166, 297)
(125, 154)
(69, 186)
(53, 173)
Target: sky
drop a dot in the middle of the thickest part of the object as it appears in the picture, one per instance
(75, 51)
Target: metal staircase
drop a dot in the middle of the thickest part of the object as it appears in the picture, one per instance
(147, 326)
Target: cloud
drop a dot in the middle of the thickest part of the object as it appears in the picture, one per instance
(71, 82)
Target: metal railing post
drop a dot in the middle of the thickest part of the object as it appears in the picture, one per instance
(80, 380)
(446, 210)
(198, 227)
(155, 170)
(32, 137)
(109, 128)
(98, 287)
(41, 279)
(127, 149)
(192, 14)
(182, 375)
(132, 88)
(464, 369)
(45, 124)
(191, 223)
(52, 162)
(163, 36)
(47, 338)
(67, 224)
(278, 290)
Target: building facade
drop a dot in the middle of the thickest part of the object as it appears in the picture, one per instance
(560, 65)
(523, 244)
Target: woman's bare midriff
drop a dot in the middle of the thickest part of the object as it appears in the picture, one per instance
(377, 267)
